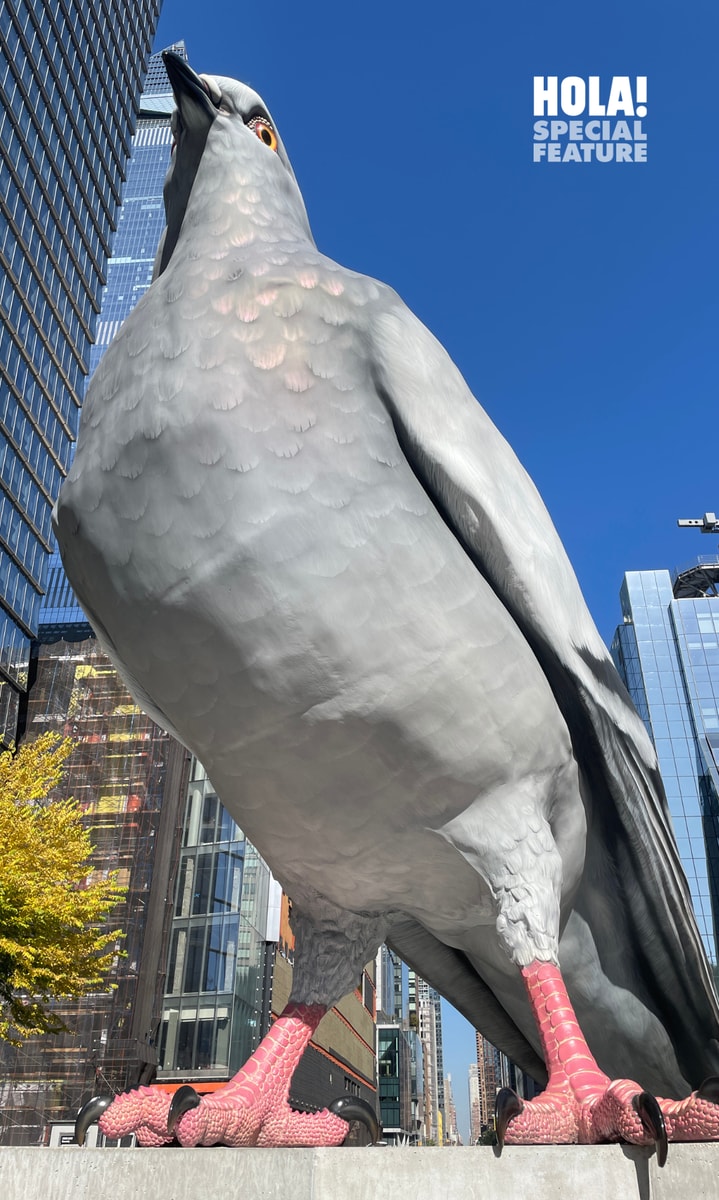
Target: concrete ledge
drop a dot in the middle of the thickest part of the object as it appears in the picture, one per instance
(374, 1173)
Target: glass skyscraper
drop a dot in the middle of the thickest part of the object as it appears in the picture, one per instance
(142, 216)
(70, 79)
(667, 651)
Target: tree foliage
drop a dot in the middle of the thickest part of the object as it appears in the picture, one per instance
(53, 942)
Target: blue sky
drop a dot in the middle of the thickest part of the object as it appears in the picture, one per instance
(579, 300)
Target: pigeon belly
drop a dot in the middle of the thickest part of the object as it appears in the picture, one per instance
(265, 567)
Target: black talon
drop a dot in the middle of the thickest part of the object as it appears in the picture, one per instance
(709, 1090)
(354, 1108)
(183, 1100)
(652, 1119)
(88, 1114)
(506, 1106)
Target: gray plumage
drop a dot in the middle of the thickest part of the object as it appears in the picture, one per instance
(319, 564)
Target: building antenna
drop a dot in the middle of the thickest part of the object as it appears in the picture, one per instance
(702, 579)
(707, 524)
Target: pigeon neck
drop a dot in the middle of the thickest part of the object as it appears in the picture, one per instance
(255, 202)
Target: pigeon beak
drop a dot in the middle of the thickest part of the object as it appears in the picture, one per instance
(191, 123)
(191, 94)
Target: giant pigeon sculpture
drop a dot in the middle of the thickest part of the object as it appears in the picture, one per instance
(318, 563)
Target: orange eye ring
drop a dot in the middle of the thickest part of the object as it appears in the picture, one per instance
(264, 131)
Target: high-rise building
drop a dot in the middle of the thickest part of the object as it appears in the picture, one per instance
(400, 1068)
(394, 1081)
(429, 1024)
(389, 976)
(451, 1133)
(70, 80)
(491, 1077)
(141, 219)
(475, 1104)
(492, 1071)
(667, 652)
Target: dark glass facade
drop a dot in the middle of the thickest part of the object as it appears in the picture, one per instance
(394, 1083)
(216, 1004)
(70, 79)
(667, 651)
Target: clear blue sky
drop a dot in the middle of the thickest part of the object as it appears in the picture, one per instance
(579, 300)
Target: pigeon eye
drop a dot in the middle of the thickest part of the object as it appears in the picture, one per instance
(264, 131)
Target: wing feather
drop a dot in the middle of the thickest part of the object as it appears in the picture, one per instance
(492, 506)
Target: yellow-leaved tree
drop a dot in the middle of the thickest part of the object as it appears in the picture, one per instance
(53, 942)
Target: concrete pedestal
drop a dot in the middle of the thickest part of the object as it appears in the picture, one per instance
(374, 1173)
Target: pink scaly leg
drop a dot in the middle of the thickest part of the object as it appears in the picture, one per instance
(251, 1110)
(580, 1102)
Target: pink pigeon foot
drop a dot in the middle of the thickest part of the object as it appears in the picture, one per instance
(581, 1103)
(252, 1110)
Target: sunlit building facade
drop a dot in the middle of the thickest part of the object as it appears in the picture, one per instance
(70, 79)
(493, 1071)
(429, 1027)
(475, 1104)
(667, 651)
(451, 1133)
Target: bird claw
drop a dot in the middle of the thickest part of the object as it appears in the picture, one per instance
(184, 1099)
(709, 1089)
(88, 1114)
(652, 1119)
(506, 1106)
(354, 1108)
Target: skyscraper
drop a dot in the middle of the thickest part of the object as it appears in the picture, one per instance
(141, 218)
(70, 78)
(475, 1104)
(429, 1019)
(451, 1134)
(667, 652)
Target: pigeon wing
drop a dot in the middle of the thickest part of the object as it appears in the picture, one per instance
(490, 503)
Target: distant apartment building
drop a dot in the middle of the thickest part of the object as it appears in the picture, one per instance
(494, 1071)
(429, 1026)
(475, 1103)
(451, 1133)
(70, 80)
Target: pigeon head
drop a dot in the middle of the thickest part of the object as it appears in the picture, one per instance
(219, 126)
